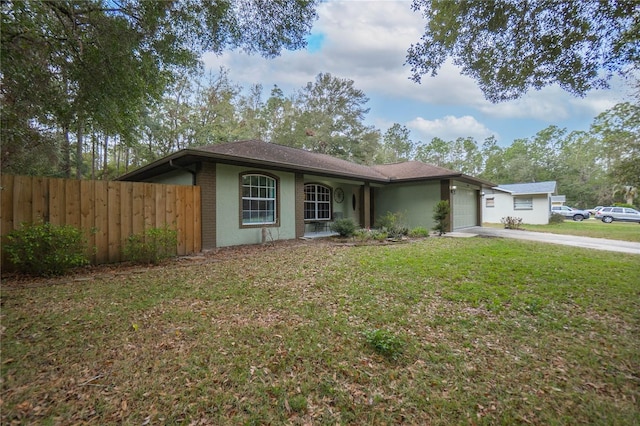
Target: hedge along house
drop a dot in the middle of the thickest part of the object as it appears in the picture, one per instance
(252, 190)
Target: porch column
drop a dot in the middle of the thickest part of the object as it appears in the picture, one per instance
(299, 205)
(366, 206)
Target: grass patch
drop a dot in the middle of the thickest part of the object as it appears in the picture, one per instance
(623, 231)
(492, 331)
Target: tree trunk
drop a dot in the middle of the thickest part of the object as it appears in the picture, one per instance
(66, 152)
(79, 149)
(93, 156)
(105, 170)
(118, 152)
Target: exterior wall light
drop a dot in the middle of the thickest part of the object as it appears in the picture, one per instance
(453, 189)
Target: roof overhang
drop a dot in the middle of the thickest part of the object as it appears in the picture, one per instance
(457, 176)
(189, 157)
(497, 188)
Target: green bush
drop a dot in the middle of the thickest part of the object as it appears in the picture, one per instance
(556, 218)
(385, 343)
(419, 232)
(45, 249)
(344, 227)
(441, 216)
(370, 234)
(151, 246)
(393, 225)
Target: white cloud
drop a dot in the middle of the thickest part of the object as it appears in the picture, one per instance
(552, 104)
(450, 128)
(367, 42)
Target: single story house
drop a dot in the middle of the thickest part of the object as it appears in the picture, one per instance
(249, 188)
(530, 201)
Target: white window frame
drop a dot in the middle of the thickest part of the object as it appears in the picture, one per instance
(522, 203)
(314, 199)
(258, 192)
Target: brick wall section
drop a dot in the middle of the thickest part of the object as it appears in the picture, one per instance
(206, 180)
(299, 200)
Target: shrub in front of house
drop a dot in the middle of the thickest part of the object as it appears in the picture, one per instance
(344, 227)
(393, 224)
(511, 222)
(556, 218)
(45, 249)
(419, 232)
(441, 216)
(151, 246)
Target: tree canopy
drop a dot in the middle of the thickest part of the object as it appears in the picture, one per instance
(73, 64)
(511, 46)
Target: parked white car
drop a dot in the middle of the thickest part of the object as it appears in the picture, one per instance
(594, 210)
(571, 213)
(622, 214)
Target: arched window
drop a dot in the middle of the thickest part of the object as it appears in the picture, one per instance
(317, 202)
(259, 206)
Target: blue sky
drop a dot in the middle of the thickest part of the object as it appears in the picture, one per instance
(366, 41)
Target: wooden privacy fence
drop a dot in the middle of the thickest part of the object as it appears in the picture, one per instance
(108, 212)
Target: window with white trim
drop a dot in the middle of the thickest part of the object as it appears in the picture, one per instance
(258, 200)
(491, 202)
(317, 202)
(520, 203)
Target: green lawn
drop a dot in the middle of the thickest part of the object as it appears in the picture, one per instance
(625, 231)
(484, 331)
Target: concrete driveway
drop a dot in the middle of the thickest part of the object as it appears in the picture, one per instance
(543, 237)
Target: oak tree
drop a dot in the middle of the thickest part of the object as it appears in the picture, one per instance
(511, 46)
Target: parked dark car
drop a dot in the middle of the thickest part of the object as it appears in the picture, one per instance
(622, 214)
(571, 213)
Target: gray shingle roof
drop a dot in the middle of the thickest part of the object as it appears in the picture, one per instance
(293, 157)
(413, 170)
(264, 154)
(548, 187)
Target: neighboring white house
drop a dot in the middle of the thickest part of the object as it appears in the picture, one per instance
(529, 201)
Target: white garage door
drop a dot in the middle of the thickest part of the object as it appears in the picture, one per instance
(465, 208)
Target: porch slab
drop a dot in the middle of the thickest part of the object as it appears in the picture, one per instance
(320, 234)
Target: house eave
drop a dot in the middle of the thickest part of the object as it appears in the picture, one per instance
(531, 193)
(188, 157)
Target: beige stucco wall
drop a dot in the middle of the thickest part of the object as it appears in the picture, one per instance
(228, 230)
(503, 207)
(415, 201)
